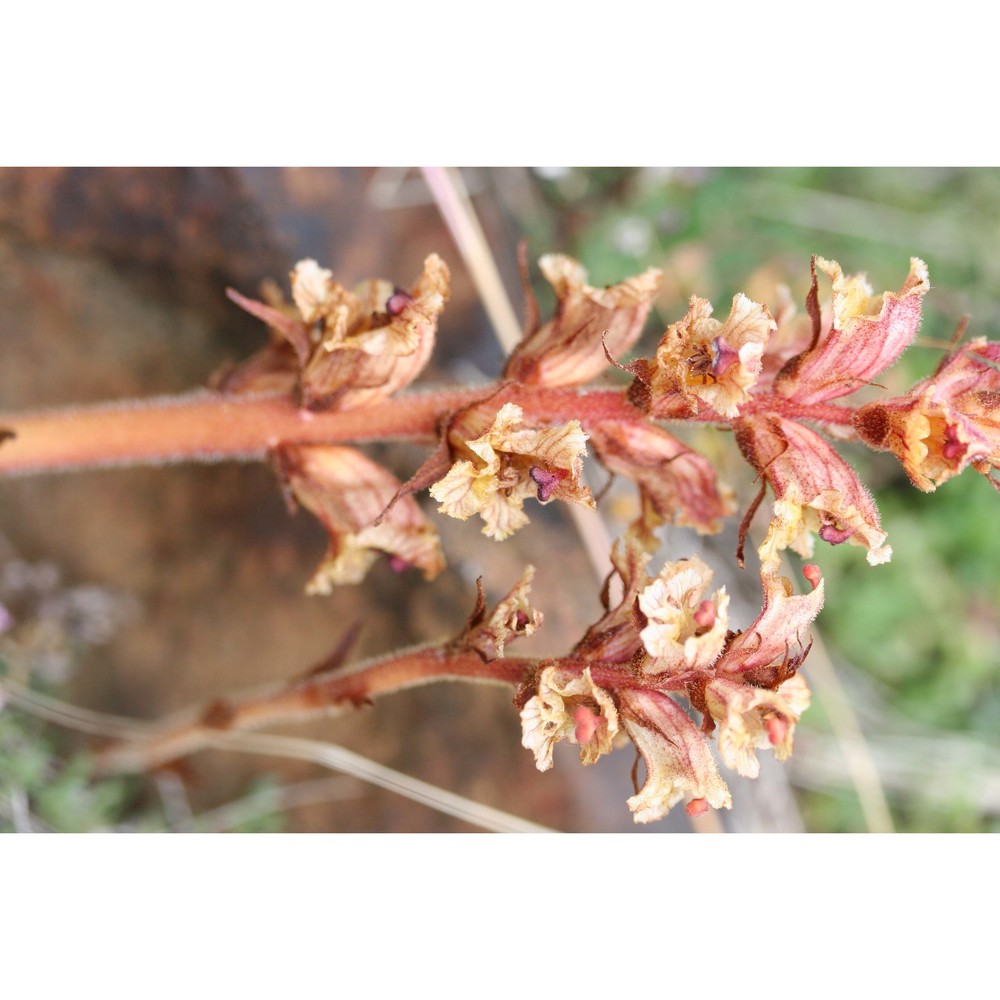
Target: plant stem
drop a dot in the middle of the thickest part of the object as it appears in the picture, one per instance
(212, 427)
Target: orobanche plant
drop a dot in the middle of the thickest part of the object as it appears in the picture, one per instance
(664, 668)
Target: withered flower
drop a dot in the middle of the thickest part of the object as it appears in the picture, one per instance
(347, 491)
(569, 349)
(700, 358)
(861, 336)
(944, 423)
(513, 618)
(351, 348)
(676, 484)
(815, 491)
(507, 464)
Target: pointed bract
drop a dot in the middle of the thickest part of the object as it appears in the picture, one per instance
(866, 334)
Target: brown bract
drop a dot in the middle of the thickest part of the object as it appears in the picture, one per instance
(570, 348)
(946, 422)
(347, 491)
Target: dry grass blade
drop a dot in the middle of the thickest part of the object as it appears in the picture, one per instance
(340, 759)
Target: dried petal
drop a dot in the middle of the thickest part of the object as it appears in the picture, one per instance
(815, 490)
(347, 491)
(753, 718)
(676, 484)
(495, 472)
(675, 638)
(944, 423)
(569, 349)
(677, 756)
(866, 335)
(568, 706)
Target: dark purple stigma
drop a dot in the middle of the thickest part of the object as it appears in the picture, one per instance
(545, 481)
(398, 301)
(834, 535)
(397, 565)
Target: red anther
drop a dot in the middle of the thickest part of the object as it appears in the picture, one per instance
(696, 807)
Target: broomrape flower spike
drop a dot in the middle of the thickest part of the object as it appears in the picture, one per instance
(662, 666)
(506, 465)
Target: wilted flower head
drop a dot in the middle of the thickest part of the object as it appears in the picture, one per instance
(498, 469)
(861, 335)
(569, 349)
(513, 618)
(351, 348)
(347, 491)
(685, 631)
(815, 491)
(944, 423)
(700, 358)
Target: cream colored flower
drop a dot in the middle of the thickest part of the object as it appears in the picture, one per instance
(568, 706)
(509, 463)
(684, 631)
(752, 718)
(349, 348)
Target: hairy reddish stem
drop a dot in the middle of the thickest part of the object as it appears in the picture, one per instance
(211, 427)
(331, 692)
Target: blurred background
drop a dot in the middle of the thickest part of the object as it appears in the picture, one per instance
(140, 591)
